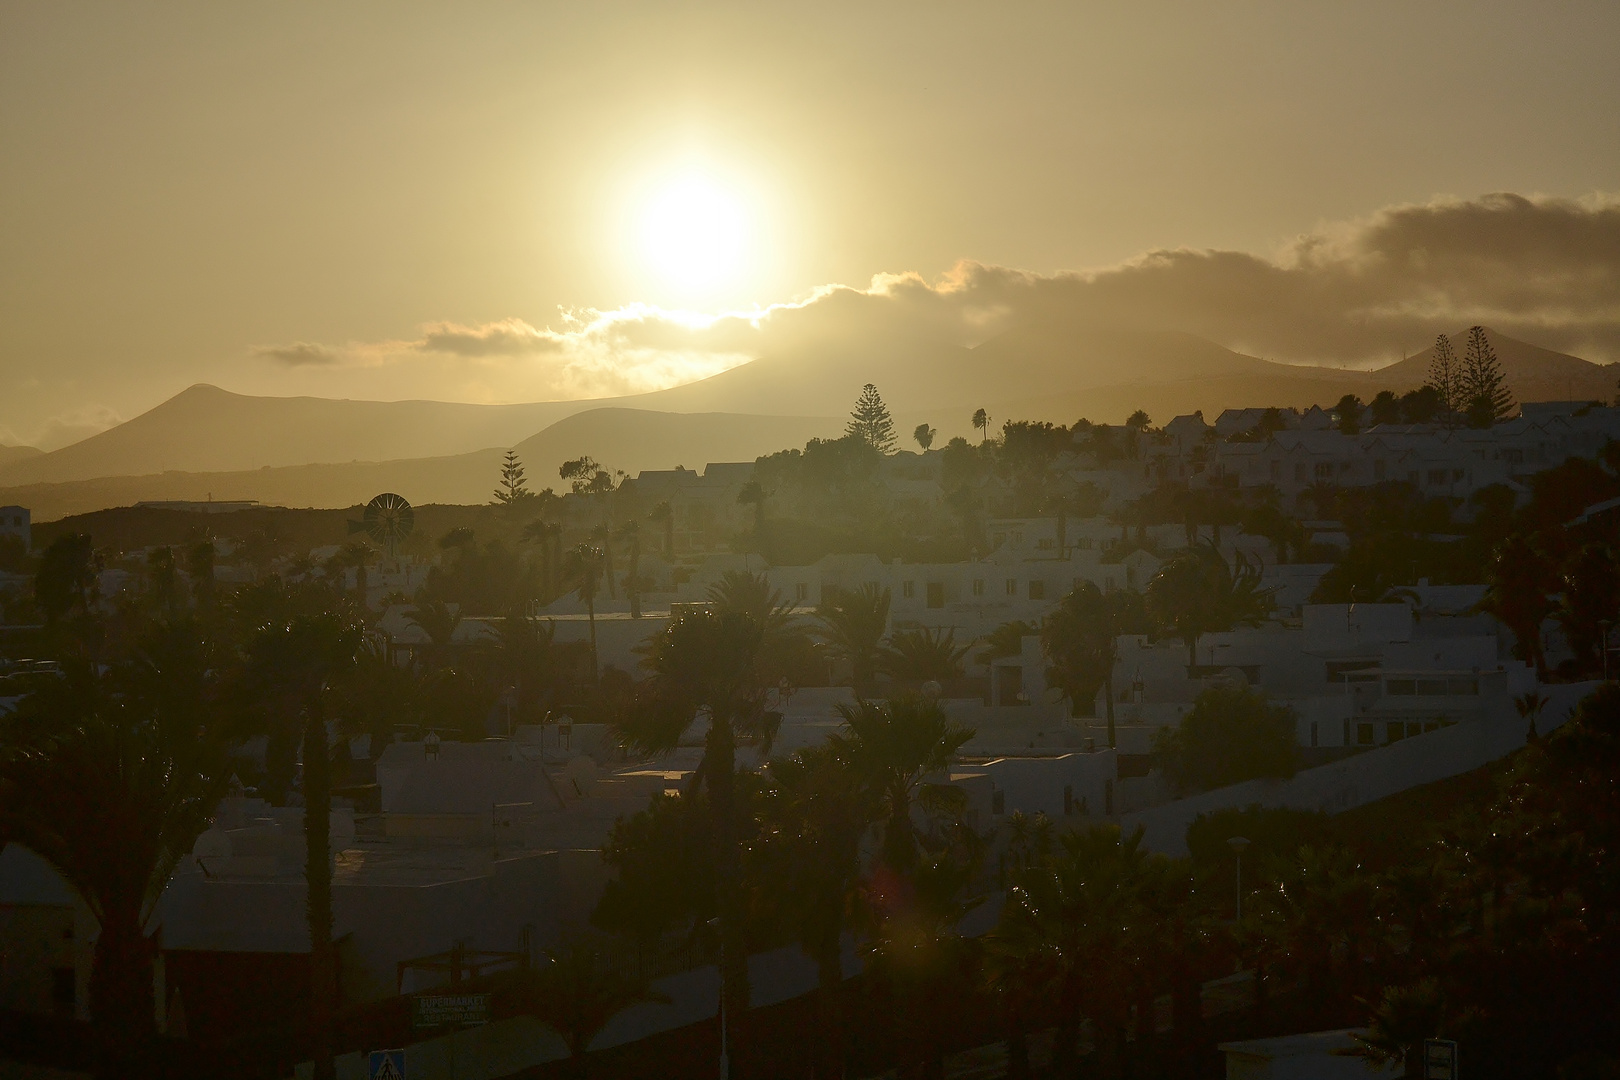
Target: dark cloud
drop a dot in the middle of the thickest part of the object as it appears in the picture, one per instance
(1546, 270)
(298, 354)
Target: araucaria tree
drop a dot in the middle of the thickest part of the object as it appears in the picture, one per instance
(514, 488)
(870, 421)
(1446, 374)
(1485, 399)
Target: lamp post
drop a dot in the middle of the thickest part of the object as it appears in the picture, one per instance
(1238, 844)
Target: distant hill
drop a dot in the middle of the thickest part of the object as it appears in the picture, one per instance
(10, 454)
(1052, 369)
(206, 429)
(627, 439)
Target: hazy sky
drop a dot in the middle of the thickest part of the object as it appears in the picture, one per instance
(288, 198)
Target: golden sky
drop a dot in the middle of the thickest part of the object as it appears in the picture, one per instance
(440, 200)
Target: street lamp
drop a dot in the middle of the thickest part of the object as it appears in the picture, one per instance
(1238, 844)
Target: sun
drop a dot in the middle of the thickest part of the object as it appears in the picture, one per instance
(694, 234)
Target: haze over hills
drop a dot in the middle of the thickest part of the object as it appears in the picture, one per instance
(10, 454)
(627, 439)
(325, 452)
(206, 429)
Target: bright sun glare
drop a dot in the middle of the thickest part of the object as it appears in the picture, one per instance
(694, 234)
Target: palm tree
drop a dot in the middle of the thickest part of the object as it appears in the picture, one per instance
(360, 555)
(584, 565)
(709, 662)
(924, 655)
(1519, 585)
(576, 991)
(602, 537)
(895, 747)
(924, 436)
(200, 569)
(380, 697)
(1529, 705)
(981, 424)
(630, 533)
(548, 536)
(1196, 593)
(853, 623)
(1079, 639)
(664, 515)
(438, 620)
(110, 778)
(754, 494)
(1062, 929)
(815, 815)
(293, 667)
(1005, 640)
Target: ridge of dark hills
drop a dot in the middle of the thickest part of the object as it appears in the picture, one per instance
(1051, 370)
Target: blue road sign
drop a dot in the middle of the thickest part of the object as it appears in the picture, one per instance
(386, 1065)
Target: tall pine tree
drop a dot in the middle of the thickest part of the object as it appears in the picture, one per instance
(1485, 398)
(870, 421)
(1445, 375)
(514, 488)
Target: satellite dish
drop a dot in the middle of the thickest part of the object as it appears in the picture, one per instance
(388, 520)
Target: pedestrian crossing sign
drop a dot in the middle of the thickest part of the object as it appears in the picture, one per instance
(386, 1065)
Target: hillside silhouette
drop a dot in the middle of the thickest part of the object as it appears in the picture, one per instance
(326, 452)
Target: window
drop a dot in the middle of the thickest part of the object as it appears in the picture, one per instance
(1045, 543)
(1324, 470)
(1437, 477)
(1037, 589)
(998, 801)
(1364, 734)
(801, 592)
(1457, 475)
(1463, 687)
(936, 594)
(1401, 687)
(1316, 739)
(908, 589)
(1394, 732)
(1012, 586)
(978, 586)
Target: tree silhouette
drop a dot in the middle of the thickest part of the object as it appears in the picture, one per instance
(710, 662)
(897, 747)
(1231, 734)
(584, 565)
(871, 423)
(1446, 375)
(630, 533)
(110, 777)
(924, 436)
(292, 668)
(1078, 637)
(921, 655)
(664, 515)
(1485, 398)
(1196, 593)
(852, 625)
(981, 424)
(514, 488)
